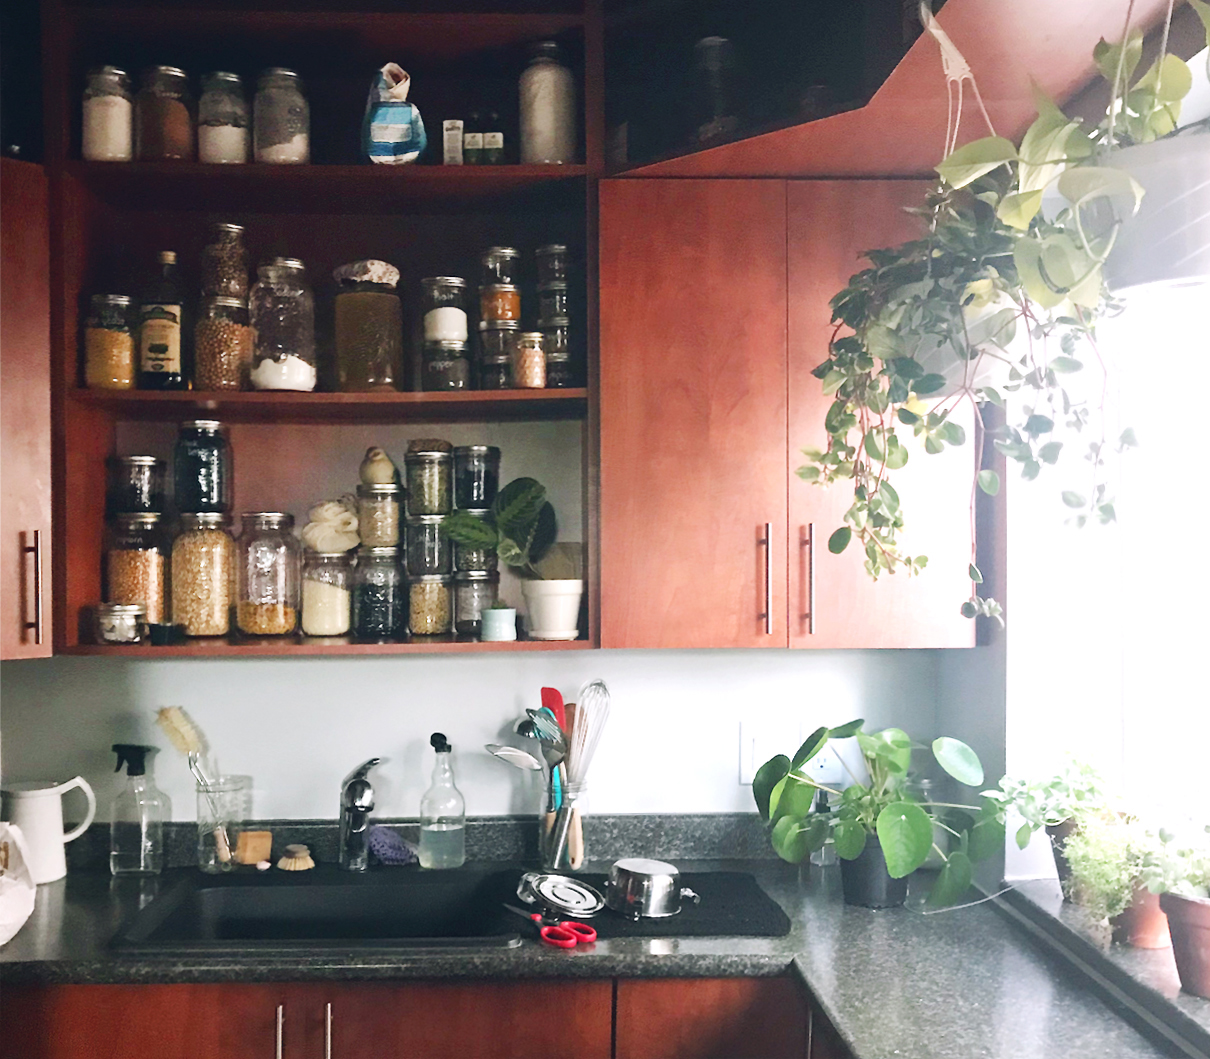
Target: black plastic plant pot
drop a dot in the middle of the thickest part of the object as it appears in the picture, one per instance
(865, 880)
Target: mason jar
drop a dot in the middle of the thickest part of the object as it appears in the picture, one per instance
(222, 344)
(529, 362)
(281, 119)
(222, 120)
(163, 116)
(136, 484)
(428, 477)
(203, 573)
(498, 264)
(495, 373)
(369, 327)
(201, 468)
(224, 271)
(283, 316)
(470, 558)
(552, 263)
(476, 475)
(428, 549)
(498, 338)
(444, 308)
(326, 593)
(136, 555)
(552, 300)
(473, 593)
(109, 343)
(445, 366)
(267, 574)
(380, 608)
(378, 515)
(499, 301)
(108, 116)
(430, 605)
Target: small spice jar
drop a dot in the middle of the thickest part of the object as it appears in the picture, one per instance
(500, 301)
(428, 477)
(497, 338)
(201, 465)
(283, 316)
(267, 574)
(225, 262)
(559, 374)
(499, 265)
(378, 515)
(529, 362)
(445, 366)
(552, 300)
(556, 337)
(136, 484)
(552, 263)
(379, 595)
(430, 606)
(222, 345)
(135, 560)
(326, 595)
(163, 116)
(203, 573)
(222, 120)
(476, 475)
(119, 623)
(108, 116)
(428, 549)
(109, 343)
(473, 593)
(470, 558)
(281, 119)
(496, 374)
(444, 309)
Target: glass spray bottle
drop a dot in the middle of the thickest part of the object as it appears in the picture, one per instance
(136, 829)
(442, 814)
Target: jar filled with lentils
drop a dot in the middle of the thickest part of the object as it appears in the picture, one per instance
(473, 593)
(223, 340)
(135, 563)
(380, 608)
(471, 558)
(430, 605)
(267, 574)
(109, 343)
(203, 573)
(378, 515)
(429, 482)
(225, 263)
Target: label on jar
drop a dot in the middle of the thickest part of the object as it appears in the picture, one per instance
(160, 340)
(451, 141)
(493, 141)
(472, 141)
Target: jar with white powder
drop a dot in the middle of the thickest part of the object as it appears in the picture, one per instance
(325, 593)
(108, 116)
(548, 108)
(444, 309)
(222, 120)
(283, 315)
(281, 119)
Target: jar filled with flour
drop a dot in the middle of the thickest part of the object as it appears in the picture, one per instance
(548, 108)
(281, 119)
(283, 316)
(108, 116)
(222, 120)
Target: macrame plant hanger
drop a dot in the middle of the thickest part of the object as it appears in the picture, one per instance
(957, 73)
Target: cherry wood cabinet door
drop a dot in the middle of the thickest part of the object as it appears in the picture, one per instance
(692, 413)
(25, 517)
(830, 223)
(711, 1018)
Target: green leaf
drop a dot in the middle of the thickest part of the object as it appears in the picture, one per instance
(517, 505)
(766, 778)
(839, 540)
(928, 384)
(989, 482)
(791, 840)
(471, 531)
(1049, 453)
(974, 159)
(1030, 470)
(833, 381)
(872, 448)
(968, 610)
(1024, 834)
(849, 838)
(1018, 209)
(808, 474)
(1027, 258)
(953, 880)
(847, 730)
(1105, 55)
(1073, 499)
(986, 839)
(973, 571)
(1037, 424)
(959, 760)
(544, 533)
(813, 745)
(797, 797)
(1203, 12)
(1127, 440)
(908, 419)
(1170, 79)
(890, 498)
(1066, 365)
(905, 832)
(896, 457)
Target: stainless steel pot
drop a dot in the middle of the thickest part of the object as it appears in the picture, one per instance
(641, 888)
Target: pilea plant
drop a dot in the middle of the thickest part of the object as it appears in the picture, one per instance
(520, 526)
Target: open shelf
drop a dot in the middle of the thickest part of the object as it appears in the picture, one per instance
(334, 645)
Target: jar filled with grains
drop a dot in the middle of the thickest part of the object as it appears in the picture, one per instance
(445, 366)
(225, 263)
(430, 605)
(108, 116)
(326, 599)
(500, 301)
(473, 593)
(267, 574)
(529, 362)
(203, 569)
(163, 116)
(136, 484)
(380, 604)
(378, 515)
(476, 475)
(428, 549)
(428, 477)
(469, 558)
(496, 373)
(201, 461)
(109, 343)
(135, 562)
(223, 339)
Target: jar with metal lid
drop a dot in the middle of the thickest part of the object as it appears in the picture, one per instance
(500, 301)
(548, 107)
(380, 599)
(120, 623)
(203, 574)
(225, 262)
(281, 119)
(108, 116)
(163, 116)
(498, 338)
(201, 468)
(445, 366)
(473, 593)
(110, 361)
(476, 475)
(430, 605)
(378, 515)
(499, 265)
(552, 263)
(444, 309)
(556, 337)
(326, 593)
(552, 300)
(222, 345)
(369, 327)
(428, 549)
(136, 484)
(267, 574)
(222, 120)
(428, 477)
(559, 373)
(471, 558)
(135, 563)
(496, 373)
(283, 316)
(529, 362)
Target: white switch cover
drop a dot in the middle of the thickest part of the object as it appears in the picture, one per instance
(761, 738)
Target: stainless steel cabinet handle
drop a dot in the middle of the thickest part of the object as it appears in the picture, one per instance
(767, 541)
(807, 540)
(281, 1021)
(36, 549)
(328, 1033)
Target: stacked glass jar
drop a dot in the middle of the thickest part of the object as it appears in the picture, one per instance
(136, 546)
(428, 468)
(283, 317)
(499, 316)
(476, 580)
(223, 337)
(554, 314)
(444, 364)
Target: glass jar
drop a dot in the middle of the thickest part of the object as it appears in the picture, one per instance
(267, 574)
(476, 475)
(473, 593)
(469, 558)
(498, 338)
(428, 476)
(225, 263)
(136, 484)
(500, 301)
(120, 624)
(552, 263)
(430, 606)
(283, 316)
(444, 309)
(369, 329)
(222, 345)
(203, 572)
(379, 595)
(163, 116)
(378, 515)
(445, 366)
(548, 108)
(499, 265)
(135, 559)
(201, 468)
(496, 373)
(428, 549)
(110, 361)
(552, 300)
(281, 119)
(222, 120)
(326, 596)
(556, 337)
(559, 373)
(529, 362)
(108, 116)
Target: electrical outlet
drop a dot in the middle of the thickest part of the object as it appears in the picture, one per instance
(825, 767)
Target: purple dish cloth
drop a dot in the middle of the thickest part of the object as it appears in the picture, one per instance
(389, 848)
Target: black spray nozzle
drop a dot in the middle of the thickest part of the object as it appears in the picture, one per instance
(439, 743)
(134, 757)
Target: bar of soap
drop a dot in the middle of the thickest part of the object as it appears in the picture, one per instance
(253, 846)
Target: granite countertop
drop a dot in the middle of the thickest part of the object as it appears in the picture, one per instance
(900, 984)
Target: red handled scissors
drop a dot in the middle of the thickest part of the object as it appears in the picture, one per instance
(563, 935)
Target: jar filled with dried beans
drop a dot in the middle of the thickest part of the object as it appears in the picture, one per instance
(267, 574)
(203, 573)
(380, 607)
(135, 563)
(163, 116)
(430, 605)
(225, 262)
(222, 345)
(109, 343)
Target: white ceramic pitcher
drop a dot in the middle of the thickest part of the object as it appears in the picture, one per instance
(37, 808)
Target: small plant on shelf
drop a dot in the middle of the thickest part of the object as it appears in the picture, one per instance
(1106, 858)
(519, 528)
(1072, 794)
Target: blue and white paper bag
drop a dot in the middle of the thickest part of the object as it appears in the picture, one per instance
(393, 131)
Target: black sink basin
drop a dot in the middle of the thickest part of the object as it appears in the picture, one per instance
(390, 908)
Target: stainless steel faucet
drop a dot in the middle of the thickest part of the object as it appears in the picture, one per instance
(356, 803)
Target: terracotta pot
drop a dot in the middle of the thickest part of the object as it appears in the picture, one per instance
(1059, 833)
(1189, 922)
(1143, 924)
(866, 882)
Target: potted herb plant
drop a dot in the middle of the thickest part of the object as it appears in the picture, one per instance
(1179, 871)
(880, 831)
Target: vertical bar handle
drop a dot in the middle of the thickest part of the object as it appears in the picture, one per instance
(36, 624)
(281, 1021)
(807, 540)
(328, 1032)
(767, 541)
